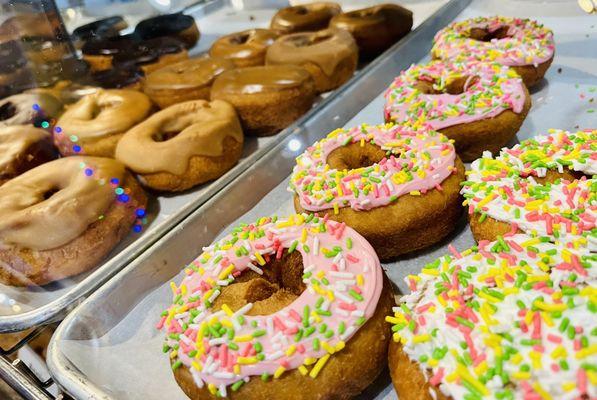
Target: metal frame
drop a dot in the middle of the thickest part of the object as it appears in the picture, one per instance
(334, 111)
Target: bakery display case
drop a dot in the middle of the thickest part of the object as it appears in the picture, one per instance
(150, 130)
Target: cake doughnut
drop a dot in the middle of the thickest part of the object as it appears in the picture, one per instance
(95, 124)
(396, 186)
(523, 44)
(375, 28)
(28, 108)
(330, 55)
(280, 309)
(543, 186)
(61, 218)
(246, 48)
(511, 319)
(184, 81)
(479, 105)
(305, 18)
(267, 98)
(23, 147)
(177, 26)
(183, 145)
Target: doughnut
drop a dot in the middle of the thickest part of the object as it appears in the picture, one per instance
(375, 28)
(542, 186)
(523, 44)
(61, 218)
(183, 145)
(151, 54)
(128, 77)
(267, 98)
(479, 105)
(280, 309)
(28, 108)
(511, 319)
(304, 18)
(23, 147)
(41, 50)
(95, 124)
(100, 52)
(103, 28)
(396, 186)
(177, 26)
(246, 48)
(186, 80)
(329, 55)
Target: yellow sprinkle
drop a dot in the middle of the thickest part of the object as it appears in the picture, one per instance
(481, 368)
(415, 193)
(421, 338)
(259, 258)
(464, 374)
(317, 368)
(558, 352)
(327, 347)
(589, 351)
(291, 350)
(486, 200)
(243, 338)
(568, 386)
(212, 388)
(226, 272)
(521, 375)
(196, 365)
(246, 360)
(430, 271)
(541, 391)
(304, 371)
(174, 288)
(550, 307)
(433, 362)
(336, 210)
(279, 372)
(173, 354)
(360, 280)
(310, 360)
(236, 369)
(451, 377)
(304, 236)
(340, 345)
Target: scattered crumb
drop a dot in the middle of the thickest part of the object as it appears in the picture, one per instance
(251, 18)
(559, 70)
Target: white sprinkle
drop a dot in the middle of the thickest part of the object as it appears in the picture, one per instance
(223, 392)
(316, 246)
(341, 274)
(349, 331)
(342, 312)
(197, 378)
(358, 313)
(255, 268)
(309, 268)
(274, 356)
(337, 258)
(344, 297)
(342, 264)
(185, 339)
(269, 326)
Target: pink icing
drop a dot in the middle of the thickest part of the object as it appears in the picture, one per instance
(420, 160)
(527, 42)
(278, 330)
(490, 90)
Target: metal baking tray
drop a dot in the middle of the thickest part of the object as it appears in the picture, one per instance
(22, 308)
(108, 348)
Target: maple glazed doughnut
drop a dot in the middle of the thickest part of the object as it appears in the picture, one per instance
(511, 319)
(329, 55)
(61, 218)
(479, 105)
(28, 108)
(542, 186)
(396, 186)
(183, 145)
(23, 147)
(246, 48)
(304, 18)
(523, 44)
(280, 309)
(95, 124)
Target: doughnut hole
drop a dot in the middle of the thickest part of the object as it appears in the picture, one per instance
(491, 228)
(301, 11)
(7, 110)
(49, 193)
(454, 86)
(280, 285)
(240, 39)
(353, 156)
(485, 35)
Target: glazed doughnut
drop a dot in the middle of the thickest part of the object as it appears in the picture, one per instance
(246, 48)
(330, 56)
(479, 105)
(542, 186)
(397, 187)
(23, 147)
(305, 18)
(61, 218)
(280, 309)
(128, 77)
(28, 108)
(151, 55)
(177, 26)
(512, 319)
(95, 124)
(103, 28)
(99, 52)
(267, 98)
(183, 145)
(375, 28)
(184, 81)
(523, 44)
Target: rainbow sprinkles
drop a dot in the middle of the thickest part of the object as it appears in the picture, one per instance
(224, 348)
(511, 319)
(417, 160)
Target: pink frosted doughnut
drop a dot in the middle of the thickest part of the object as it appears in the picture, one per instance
(343, 280)
(523, 44)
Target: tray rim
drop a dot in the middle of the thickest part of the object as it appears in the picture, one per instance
(65, 374)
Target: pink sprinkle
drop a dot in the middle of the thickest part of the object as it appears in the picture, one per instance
(300, 348)
(555, 367)
(291, 331)
(437, 378)
(223, 356)
(554, 338)
(284, 363)
(454, 251)
(279, 325)
(160, 324)
(352, 258)
(581, 381)
(295, 316)
(346, 306)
